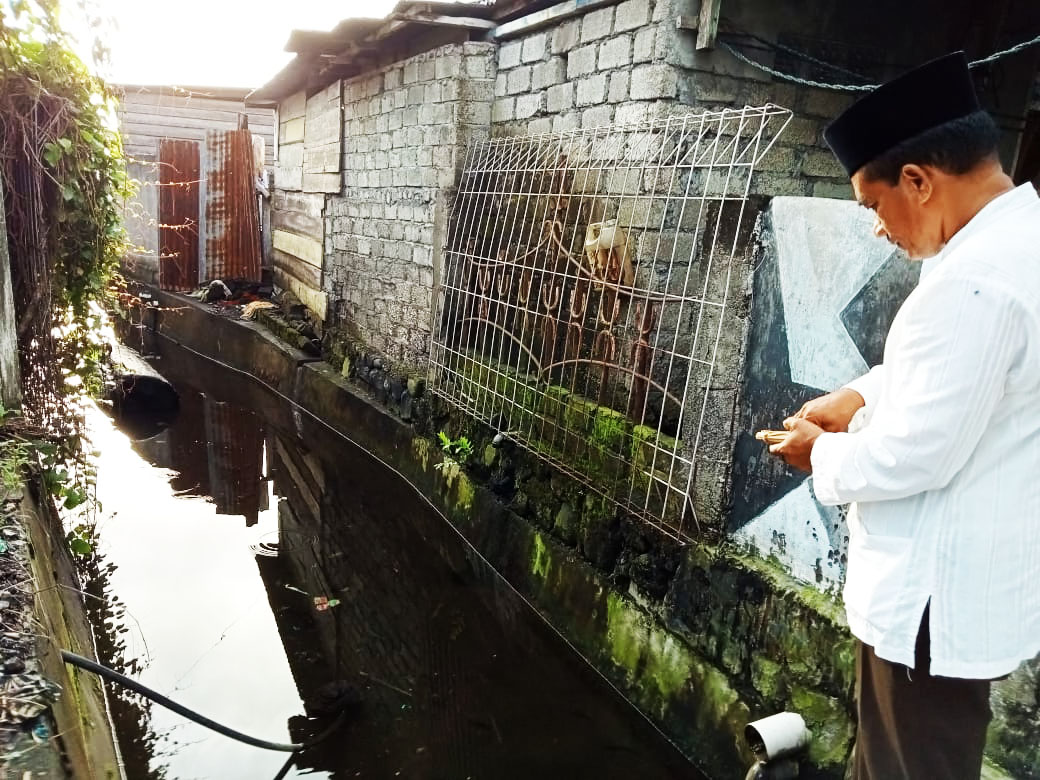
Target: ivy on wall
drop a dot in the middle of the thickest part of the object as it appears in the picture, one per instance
(57, 123)
(65, 185)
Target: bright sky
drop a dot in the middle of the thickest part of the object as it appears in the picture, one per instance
(228, 43)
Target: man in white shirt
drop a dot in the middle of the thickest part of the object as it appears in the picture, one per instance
(943, 568)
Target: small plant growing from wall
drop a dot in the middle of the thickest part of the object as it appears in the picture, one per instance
(25, 448)
(456, 451)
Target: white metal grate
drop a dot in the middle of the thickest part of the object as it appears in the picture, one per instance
(584, 297)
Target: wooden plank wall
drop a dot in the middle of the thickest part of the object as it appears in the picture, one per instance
(141, 218)
(310, 153)
(288, 173)
(148, 114)
(297, 221)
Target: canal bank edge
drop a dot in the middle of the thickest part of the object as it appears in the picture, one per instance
(717, 640)
(81, 745)
(702, 639)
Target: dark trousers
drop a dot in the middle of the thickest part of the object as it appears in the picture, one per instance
(913, 726)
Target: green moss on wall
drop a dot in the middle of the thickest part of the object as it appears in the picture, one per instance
(832, 728)
(464, 491)
(665, 674)
(646, 650)
(578, 414)
(610, 429)
(539, 557)
(554, 402)
(645, 442)
(421, 451)
(767, 677)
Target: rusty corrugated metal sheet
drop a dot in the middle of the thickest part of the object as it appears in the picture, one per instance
(232, 224)
(235, 453)
(178, 215)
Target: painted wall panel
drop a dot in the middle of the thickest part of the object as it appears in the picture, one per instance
(825, 292)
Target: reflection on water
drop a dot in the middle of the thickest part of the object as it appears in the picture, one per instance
(458, 678)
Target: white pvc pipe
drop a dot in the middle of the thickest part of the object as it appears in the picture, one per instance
(778, 735)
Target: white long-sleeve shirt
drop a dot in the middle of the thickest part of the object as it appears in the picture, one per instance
(945, 475)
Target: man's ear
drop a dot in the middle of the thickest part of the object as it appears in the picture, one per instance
(917, 181)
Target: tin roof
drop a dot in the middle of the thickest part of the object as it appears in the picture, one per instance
(357, 45)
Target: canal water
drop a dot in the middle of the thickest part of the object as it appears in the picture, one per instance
(248, 557)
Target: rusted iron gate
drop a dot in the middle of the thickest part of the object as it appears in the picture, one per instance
(178, 215)
(585, 296)
(216, 182)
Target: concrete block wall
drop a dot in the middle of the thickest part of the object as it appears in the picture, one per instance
(629, 63)
(586, 71)
(322, 140)
(405, 131)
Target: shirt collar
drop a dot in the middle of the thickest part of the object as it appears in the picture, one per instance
(1021, 195)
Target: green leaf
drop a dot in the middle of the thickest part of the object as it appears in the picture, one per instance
(74, 498)
(445, 441)
(52, 154)
(80, 546)
(66, 144)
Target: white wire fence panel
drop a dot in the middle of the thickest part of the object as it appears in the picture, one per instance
(583, 302)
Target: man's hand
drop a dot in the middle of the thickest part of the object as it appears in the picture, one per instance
(796, 449)
(831, 412)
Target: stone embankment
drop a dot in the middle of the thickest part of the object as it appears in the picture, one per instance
(53, 719)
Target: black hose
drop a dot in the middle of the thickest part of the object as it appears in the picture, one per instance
(202, 720)
(285, 768)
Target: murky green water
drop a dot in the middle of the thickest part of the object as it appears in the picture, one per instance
(247, 557)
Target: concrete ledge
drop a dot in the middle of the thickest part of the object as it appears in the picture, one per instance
(83, 744)
(725, 644)
(242, 344)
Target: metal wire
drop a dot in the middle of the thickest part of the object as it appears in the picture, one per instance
(851, 87)
(585, 297)
(998, 55)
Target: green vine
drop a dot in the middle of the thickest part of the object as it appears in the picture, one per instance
(65, 184)
(48, 96)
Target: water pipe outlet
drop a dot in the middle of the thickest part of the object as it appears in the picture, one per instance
(775, 741)
(777, 736)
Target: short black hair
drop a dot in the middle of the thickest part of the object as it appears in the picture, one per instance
(954, 147)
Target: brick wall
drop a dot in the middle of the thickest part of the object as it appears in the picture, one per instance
(629, 63)
(405, 129)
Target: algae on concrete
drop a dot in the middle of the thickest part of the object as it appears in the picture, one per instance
(539, 557)
(832, 729)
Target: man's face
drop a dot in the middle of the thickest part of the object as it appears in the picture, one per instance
(901, 212)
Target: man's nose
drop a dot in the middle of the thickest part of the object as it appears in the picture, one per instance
(879, 229)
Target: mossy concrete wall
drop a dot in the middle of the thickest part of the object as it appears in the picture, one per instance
(701, 638)
(83, 745)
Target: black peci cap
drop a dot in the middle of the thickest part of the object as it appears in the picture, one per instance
(925, 97)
